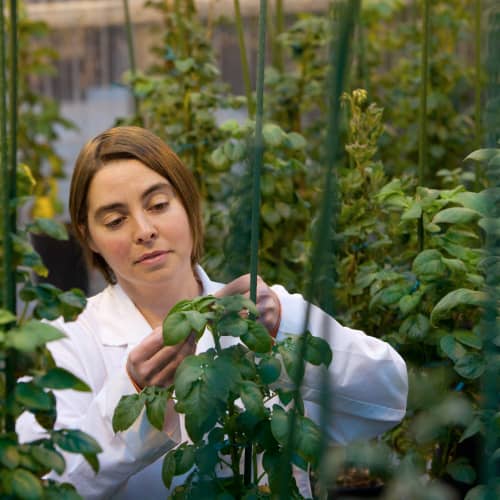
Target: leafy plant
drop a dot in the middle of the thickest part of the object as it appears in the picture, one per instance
(39, 116)
(23, 339)
(245, 364)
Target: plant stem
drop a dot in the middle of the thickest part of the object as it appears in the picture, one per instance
(10, 213)
(339, 57)
(477, 87)
(244, 61)
(131, 56)
(422, 138)
(280, 27)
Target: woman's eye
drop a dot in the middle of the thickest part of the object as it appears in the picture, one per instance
(158, 207)
(114, 223)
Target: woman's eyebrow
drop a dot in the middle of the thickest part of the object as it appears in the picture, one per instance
(159, 186)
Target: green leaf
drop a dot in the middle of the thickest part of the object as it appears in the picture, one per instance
(452, 348)
(475, 427)
(50, 227)
(289, 351)
(75, 441)
(470, 366)
(468, 338)
(127, 411)
(285, 396)
(236, 303)
(318, 351)
(26, 485)
(257, 338)
(33, 397)
(57, 491)
(197, 320)
(415, 326)
(176, 328)
(92, 460)
(414, 211)
(184, 458)
(189, 371)
(296, 141)
(49, 458)
(388, 295)
(168, 468)
(9, 456)
(269, 370)
(460, 297)
(155, 409)
(232, 325)
(185, 65)
(280, 425)
(428, 265)
(307, 439)
(252, 398)
(482, 154)
(273, 135)
(59, 378)
(31, 335)
(456, 215)
(461, 470)
(74, 298)
(408, 303)
(6, 317)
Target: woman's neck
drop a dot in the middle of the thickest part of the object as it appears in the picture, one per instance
(155, 301)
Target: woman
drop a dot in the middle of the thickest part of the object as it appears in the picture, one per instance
(136, 212)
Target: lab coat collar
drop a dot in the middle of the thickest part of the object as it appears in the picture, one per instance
(122, 323)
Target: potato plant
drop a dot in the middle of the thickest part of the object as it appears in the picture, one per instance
(24, 338)
(233, 396)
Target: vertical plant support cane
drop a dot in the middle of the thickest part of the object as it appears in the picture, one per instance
(244, 60)
(9, 167)
(490, 379)
(321, 258)
(477, 86)
(257, 165)
(422, 132)
(280, 27)
(131, 55)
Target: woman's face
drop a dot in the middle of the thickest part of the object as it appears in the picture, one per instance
(138, 224)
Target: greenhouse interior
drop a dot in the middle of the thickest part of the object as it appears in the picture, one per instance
(310, 192)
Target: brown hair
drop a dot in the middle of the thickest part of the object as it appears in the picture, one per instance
(120, 143)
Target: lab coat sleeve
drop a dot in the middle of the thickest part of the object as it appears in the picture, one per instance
(124, 453)
(367, 379)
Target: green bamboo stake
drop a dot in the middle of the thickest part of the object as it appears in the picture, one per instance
(9, 168)
(131, 55)
(280, 27)
(243, 56)
(422, 138)
(257, 165)
(6, 229)
(477, 87)
(490, 380)
(320, 260)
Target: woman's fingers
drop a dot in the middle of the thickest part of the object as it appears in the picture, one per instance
(152, 363)
(267, 302)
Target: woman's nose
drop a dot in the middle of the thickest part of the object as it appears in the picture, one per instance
(145, 230)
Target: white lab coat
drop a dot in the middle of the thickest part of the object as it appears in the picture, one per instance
(368, 384)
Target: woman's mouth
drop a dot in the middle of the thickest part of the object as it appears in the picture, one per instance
(152, 257)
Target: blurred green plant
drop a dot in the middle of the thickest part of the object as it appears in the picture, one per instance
(25, 336)
(392, 34)
(39, 116)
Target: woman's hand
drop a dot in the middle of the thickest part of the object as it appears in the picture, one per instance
(268, 303)
(152, 363)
